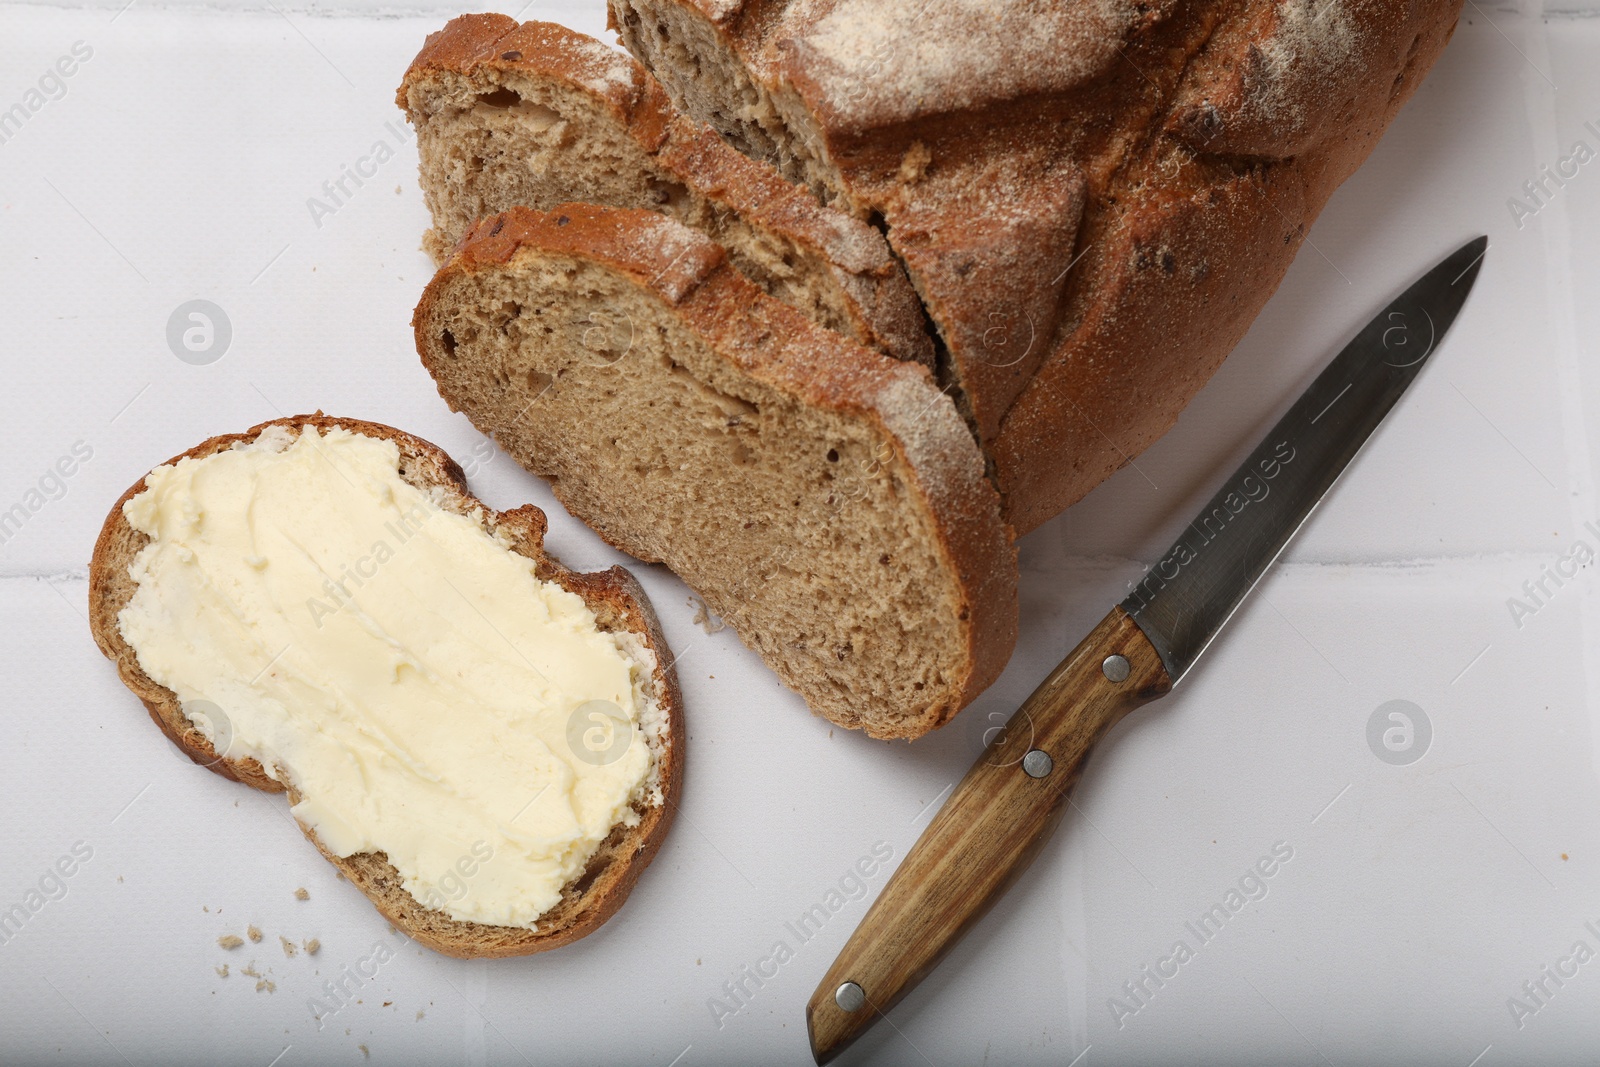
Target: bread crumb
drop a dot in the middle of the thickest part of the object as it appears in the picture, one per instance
(703, 617)
(387, 1003)
(230, 941)
(1563, 855)
(312, 946)
(419, 1015)
(364, 1053)
(250, 970)
(254, 933)
(301, 894)
(222, 972)
(289, 948)
(268, 984)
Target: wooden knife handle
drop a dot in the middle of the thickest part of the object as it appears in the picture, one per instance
(987, 832)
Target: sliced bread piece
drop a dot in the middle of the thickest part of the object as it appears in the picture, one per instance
(825, 500)
(537, 115)
(619, 606)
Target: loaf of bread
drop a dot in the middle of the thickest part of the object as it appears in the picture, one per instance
(613, 596)
(537, 115)
(1093, 200)
(826, 500)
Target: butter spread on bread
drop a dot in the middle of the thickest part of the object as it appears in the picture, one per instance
(420, 690)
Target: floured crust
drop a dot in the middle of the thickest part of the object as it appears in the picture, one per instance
(1207, 136)
(776, 345)
(490, 51)
(619, 605)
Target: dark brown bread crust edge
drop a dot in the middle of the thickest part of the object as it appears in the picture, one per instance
(796, 356)
(1269, 205)
(588, 902)
(884, 306)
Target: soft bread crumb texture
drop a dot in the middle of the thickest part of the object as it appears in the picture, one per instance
(805, 525)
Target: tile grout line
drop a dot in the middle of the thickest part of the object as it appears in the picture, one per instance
(1554, 235)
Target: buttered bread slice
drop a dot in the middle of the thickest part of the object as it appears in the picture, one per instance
(485, 743)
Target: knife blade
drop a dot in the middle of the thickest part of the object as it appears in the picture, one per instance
(1006, 806)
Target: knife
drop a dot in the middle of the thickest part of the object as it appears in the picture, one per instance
(1005, 808)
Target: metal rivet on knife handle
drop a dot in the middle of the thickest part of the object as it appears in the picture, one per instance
(1115, 668)
(1038, 763)
(849, 997)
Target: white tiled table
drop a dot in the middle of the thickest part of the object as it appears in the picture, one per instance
(1418, 900)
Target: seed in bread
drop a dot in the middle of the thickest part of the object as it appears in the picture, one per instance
(439, 736)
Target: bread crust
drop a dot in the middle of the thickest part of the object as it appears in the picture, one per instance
(490, 49)
(614, 595)
(1245, 192)
(780, 347)
(1208, 137)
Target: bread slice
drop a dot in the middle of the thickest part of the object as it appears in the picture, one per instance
(537, 115)
(825, 500)
(613, 595)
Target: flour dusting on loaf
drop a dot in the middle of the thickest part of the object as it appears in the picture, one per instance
(1312, 39)
(878, 63)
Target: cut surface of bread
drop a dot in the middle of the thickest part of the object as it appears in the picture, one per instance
(537, 115)
(827, 501)
(1093, 200)
(617, 605)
